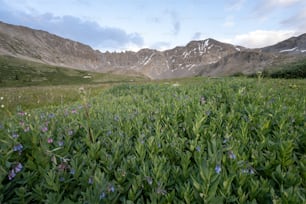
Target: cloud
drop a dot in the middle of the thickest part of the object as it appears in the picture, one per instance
(234, 5)
(175, 22)
(265, 6)
(196, 35)
(261, 38)
(88, 32)
(297, 21)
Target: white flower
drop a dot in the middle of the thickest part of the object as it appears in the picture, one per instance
(1, 98)
(2, 106)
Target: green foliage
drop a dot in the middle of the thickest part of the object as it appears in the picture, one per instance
(227, 140)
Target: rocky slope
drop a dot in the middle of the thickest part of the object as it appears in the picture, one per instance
(207, 57)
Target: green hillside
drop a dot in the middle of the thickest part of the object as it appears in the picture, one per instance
(19, 72)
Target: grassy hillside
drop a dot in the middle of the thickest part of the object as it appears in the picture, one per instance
(19, 72)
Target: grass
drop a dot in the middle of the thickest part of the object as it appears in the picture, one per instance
(16, 72)
(199, 140)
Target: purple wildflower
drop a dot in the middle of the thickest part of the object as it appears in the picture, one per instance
(102, 195)
(218, 169)
(15, 135)
(231, 155)
(44, 129)
(21, 113)
(73, 111)
(50, 140)
(18, 167)
(18, 147)
(111, 189)
(12, 174)
(198, 148)
(70, 132)
(72, 171)
(60, 143)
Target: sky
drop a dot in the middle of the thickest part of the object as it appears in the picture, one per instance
(121, 25)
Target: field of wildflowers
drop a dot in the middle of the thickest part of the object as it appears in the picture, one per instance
(227, 140)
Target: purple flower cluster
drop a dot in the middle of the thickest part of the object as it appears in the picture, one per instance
(14, 171)
(18, 148)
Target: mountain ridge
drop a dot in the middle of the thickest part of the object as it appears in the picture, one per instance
(207, 57)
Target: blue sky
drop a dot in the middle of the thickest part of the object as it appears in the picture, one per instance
(118, 25)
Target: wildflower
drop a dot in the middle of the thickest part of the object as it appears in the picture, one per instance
(116, 118)
(21, 113)
(44, 129)
(18, 167)
(50, 140)
(109, 133)
(202, 100)
(72, 171)
(63, 166)
(70, 132)
(15, 135)
(231, 155)
(249, 170)
(149, 180)
(60, 143)
(90, 180)
(12, 174)
(1, 98)
(26, 129)
(74, 111)
(198, 148)
(21, 123)
(51, 115)
(61, 179)
(218, 169)
(111, 189)
(102, 195)
(2, 106)
(14, 171)
(18, 147)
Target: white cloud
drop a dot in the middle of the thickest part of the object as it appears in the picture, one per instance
(229, 22)
(282, 2)
(261, 38)
(234, 5)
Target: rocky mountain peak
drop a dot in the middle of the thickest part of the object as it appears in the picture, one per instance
(293, 45)
(204, 57)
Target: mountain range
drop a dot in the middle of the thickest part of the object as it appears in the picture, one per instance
(198, 58)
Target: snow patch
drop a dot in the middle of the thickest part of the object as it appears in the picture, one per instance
(147, 59)
(191, 66)
(238, 49)
(288, 50)
(303, 50)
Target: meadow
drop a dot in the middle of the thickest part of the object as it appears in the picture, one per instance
(199, 140)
